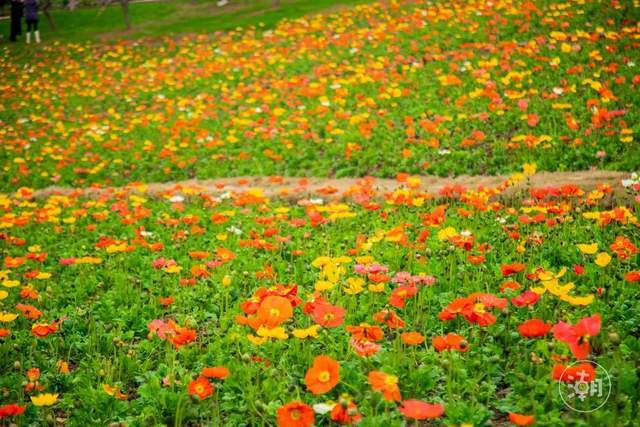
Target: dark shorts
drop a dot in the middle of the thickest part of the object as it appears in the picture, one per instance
(32, 24)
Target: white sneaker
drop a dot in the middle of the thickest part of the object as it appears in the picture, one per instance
(37, 34)
(223, 3)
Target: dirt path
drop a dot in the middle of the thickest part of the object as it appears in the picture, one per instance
(293, 188)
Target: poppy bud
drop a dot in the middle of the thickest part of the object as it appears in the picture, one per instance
(190, 322)
(614, 337)
(17, 364)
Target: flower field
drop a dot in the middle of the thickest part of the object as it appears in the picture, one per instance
(125, 303)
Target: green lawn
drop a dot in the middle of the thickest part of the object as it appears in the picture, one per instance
(172, 17)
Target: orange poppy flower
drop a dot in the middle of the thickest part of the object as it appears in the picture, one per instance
(323, 375)
(521, 420)
(632, 276)
(345, 411)
(41, 330)
(510, 269)
(200, 387)
(366, 332)
(412, 338)
(450, 342)
(29, 311)
(274, 310)
(402, 293)
(215, 372)
(570, 374)
(385, 384)
(295, 414)
(389, 318)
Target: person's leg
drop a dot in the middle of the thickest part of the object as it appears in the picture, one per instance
(36, 32)
(14, 33)
(29, 24)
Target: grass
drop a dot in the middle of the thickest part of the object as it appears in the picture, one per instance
(162, 18)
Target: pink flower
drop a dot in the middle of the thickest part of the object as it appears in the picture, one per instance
(577, 336)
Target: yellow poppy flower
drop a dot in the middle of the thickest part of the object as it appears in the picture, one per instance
(7, 317)
(447, 232)
(578, 300)
(376, 288)
(46, 399)
(173, 269)
(588, 249)
(10, 283)
(310, 332)
(256, 340)
(323, 285)
(320, 261)
(603, 259)
(355, 285)
(277, 333)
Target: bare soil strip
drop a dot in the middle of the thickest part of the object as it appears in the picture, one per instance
(297, 188)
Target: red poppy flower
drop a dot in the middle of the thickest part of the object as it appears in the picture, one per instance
(527, 298)
(11, 410)
(419, 410)
(534, 328)
(328, 315)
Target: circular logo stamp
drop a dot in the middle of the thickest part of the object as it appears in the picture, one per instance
(584, 386)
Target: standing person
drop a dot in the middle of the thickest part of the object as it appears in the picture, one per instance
(31, 15)
(16, 19)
